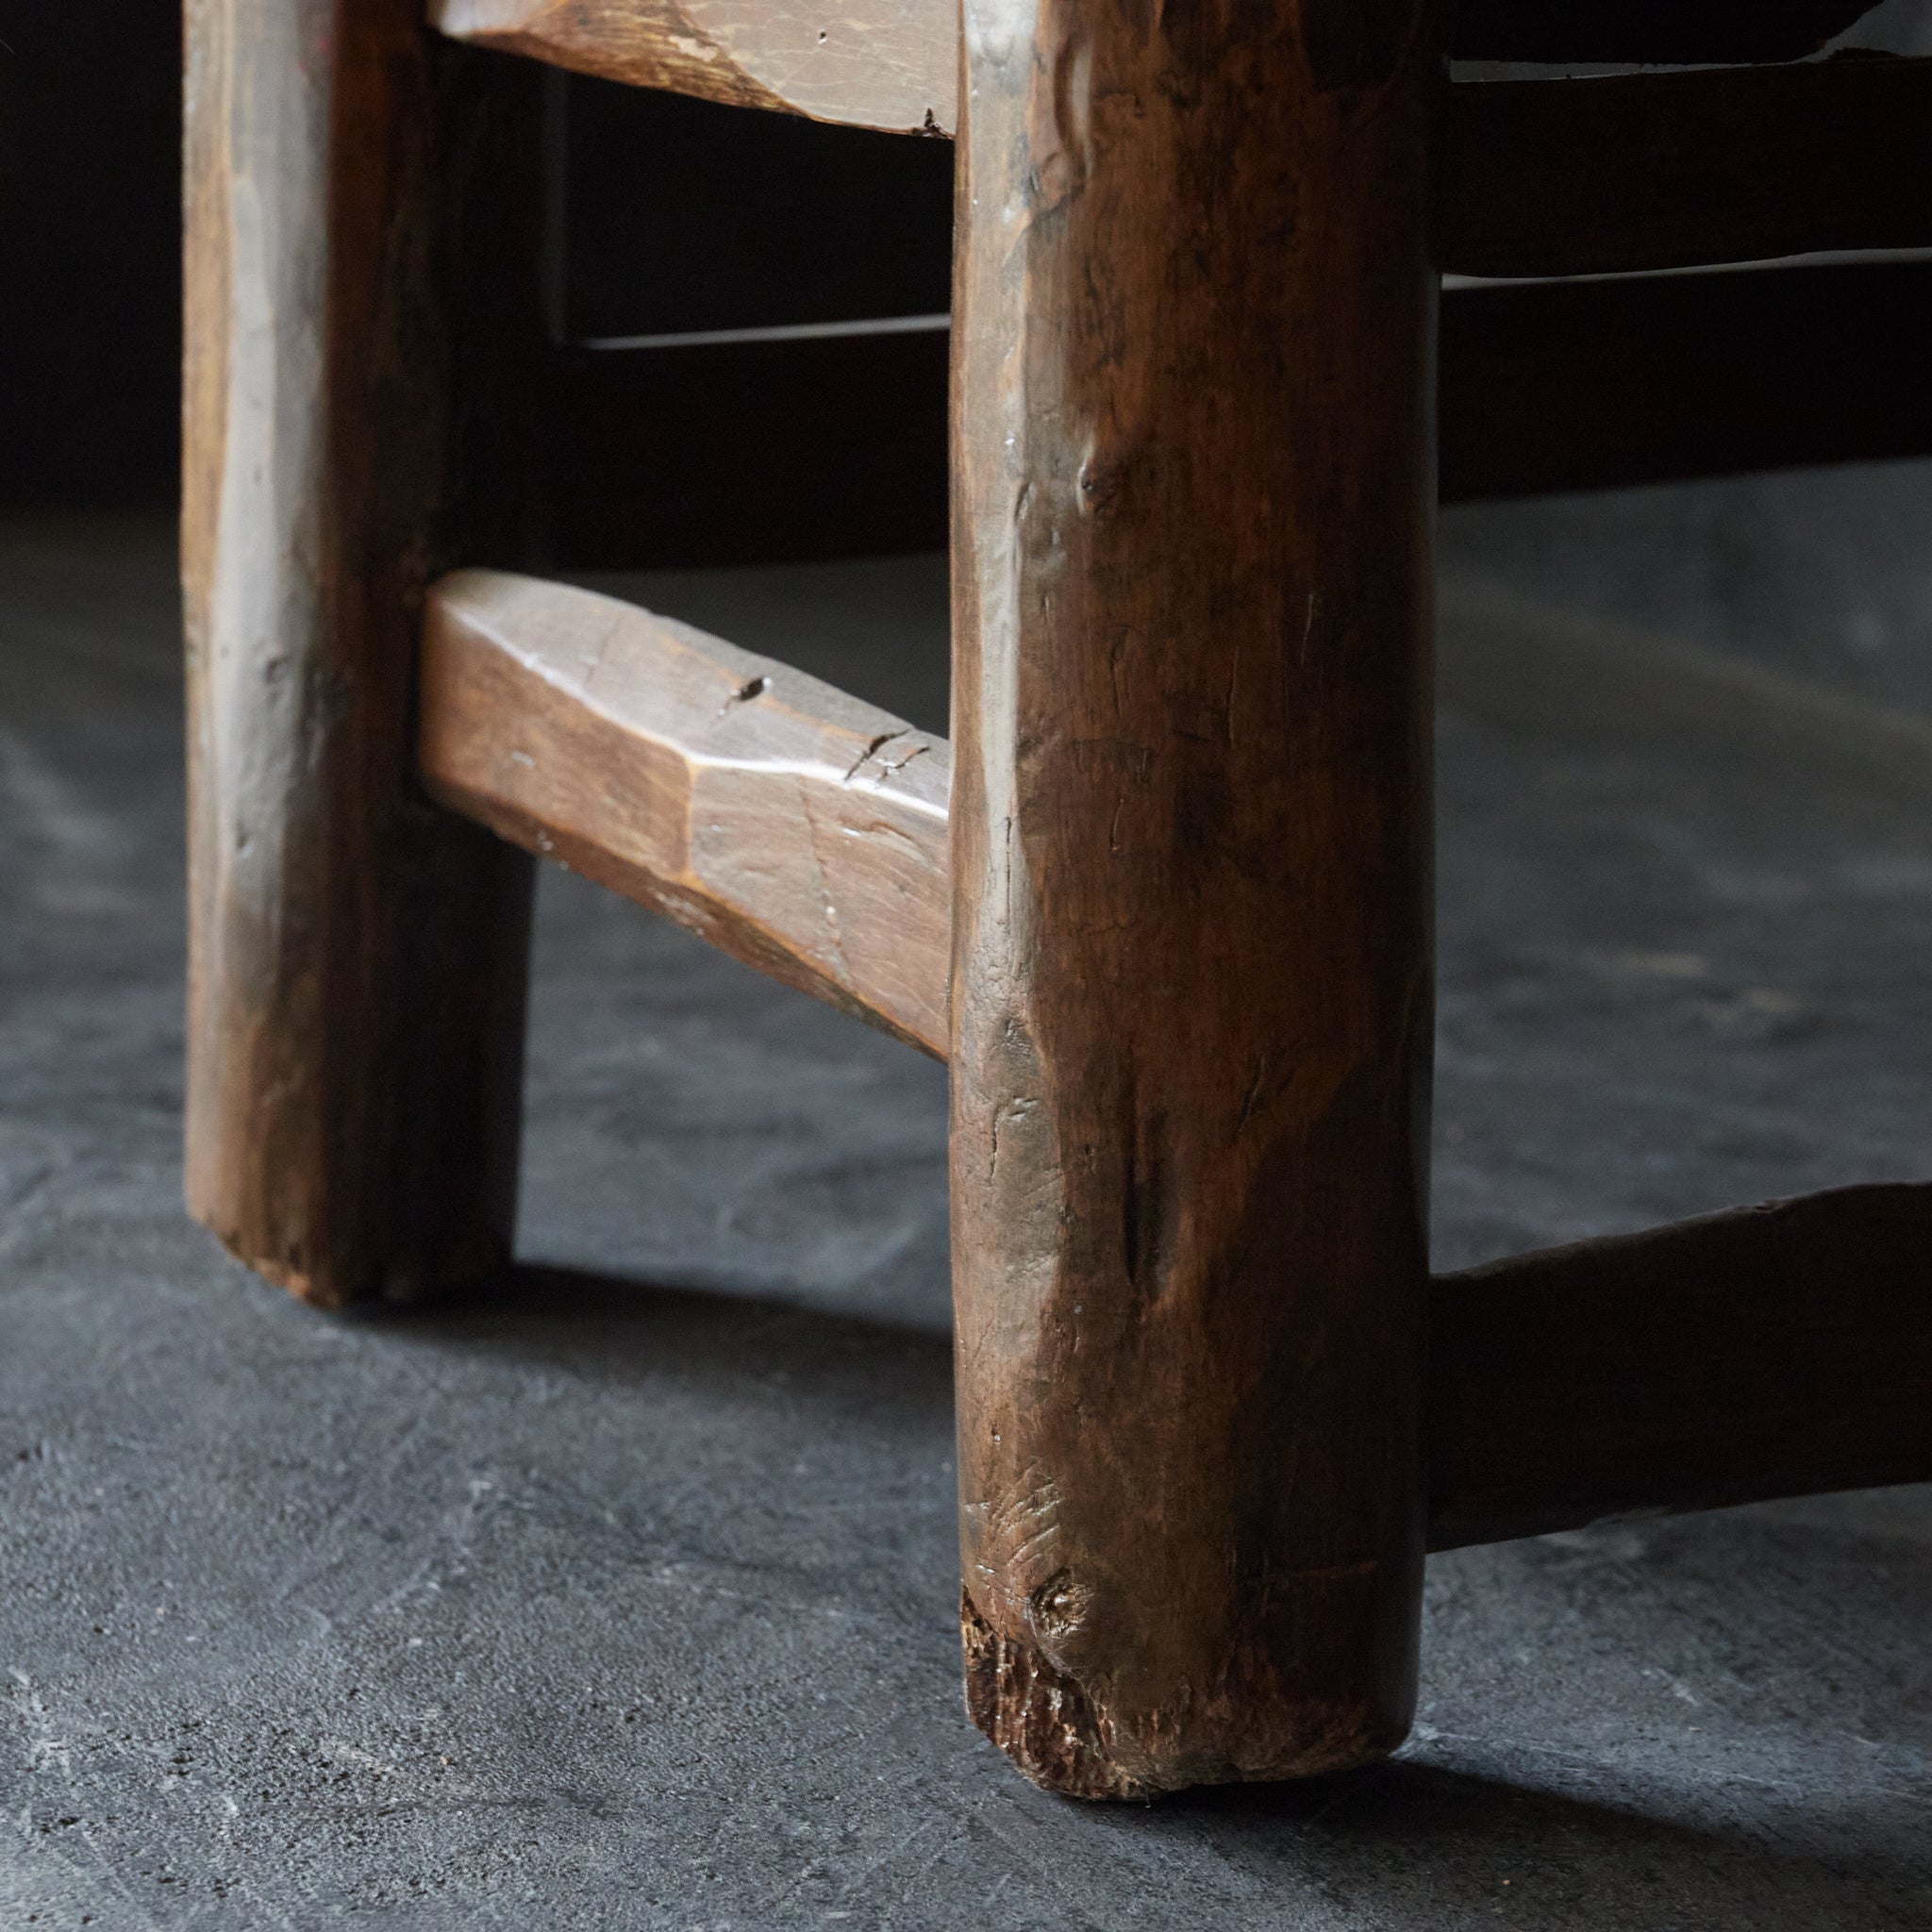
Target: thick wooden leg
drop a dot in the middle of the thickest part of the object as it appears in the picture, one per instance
(358, 956)
(1192, 988)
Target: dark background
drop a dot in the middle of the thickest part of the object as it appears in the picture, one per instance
(682, 215)
(90, 250)
(676, 216)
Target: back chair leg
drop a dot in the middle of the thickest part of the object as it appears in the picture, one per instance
(359, 273)
(1190, 850)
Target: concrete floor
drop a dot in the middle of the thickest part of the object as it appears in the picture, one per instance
(625, 1598)
(1821, 572)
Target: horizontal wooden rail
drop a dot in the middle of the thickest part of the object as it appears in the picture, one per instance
(891, 64)
(894, 64)
(1773, 1351)
(1653, 171)
(791, 826)
(1533, 177)
(1544, 386)
(1554, 386)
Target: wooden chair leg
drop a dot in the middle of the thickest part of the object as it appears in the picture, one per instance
(1190, 852)
(358, 956)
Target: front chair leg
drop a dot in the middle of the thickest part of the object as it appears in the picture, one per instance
(360, 267)
(1191, 975)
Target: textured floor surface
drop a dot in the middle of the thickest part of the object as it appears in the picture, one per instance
(626, 1598)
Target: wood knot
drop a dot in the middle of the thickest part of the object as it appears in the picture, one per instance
(1056, 1614)
(1044, 1721)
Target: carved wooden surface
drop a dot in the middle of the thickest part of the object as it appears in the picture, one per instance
(1653, 171)
(894, 64)
(1775, 1351)
(788, 823)
(356, 956)
(1194, 496)
(891, 64)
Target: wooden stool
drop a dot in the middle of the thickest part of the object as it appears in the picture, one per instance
(1163, 903)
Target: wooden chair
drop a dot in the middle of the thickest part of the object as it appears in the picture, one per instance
(1163, 902)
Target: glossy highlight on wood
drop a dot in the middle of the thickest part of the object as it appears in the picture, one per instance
(894, 64)
(1193, 496)
(361, 312)
(889, 64)
(790, 824)
(1171, 928)
(1770, 1351)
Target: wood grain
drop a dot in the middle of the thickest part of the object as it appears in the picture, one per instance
(790, 824)
(889, 64)
(360, 295)
(894, 64)
(1654, 171)
(1191, 980)
(1775, 1351)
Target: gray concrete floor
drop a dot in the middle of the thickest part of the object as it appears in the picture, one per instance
(1821, 572)
(625, 1597)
